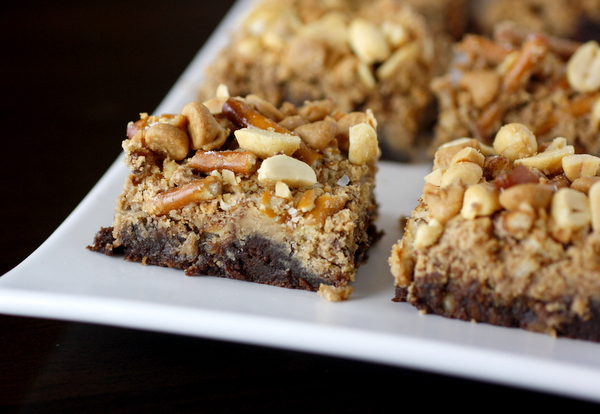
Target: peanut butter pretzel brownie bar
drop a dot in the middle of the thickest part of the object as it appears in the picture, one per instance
(555, 17)
(376, 54)
(239, 188)
(550, 84)
(508, 235)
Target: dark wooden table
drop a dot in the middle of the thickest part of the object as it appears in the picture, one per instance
(73, 75)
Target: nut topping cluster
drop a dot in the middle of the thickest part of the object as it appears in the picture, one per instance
(549, 84)
(378, 54)
(517, 181)
(247, 144)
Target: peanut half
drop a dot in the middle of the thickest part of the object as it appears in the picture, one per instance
(266, 143)
(205, 131)
(291, 171)
(583, 68)
(363, 146)
(167, 140)
(367, 41)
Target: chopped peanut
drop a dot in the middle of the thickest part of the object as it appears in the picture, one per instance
(570, 211)
(317, 134)
(167, 140)
(548, 162)
(205, 131)
(363, 144)
(367, 41)
(528, 195)
(480, 200)
(580, 165)
(428, 234)
(515, 141)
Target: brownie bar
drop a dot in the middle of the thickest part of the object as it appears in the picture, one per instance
(377, 54)
(544, 82)
(239, 188)
(508, 235)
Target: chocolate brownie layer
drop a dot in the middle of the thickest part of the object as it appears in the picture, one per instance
(254, 259)
(240, 188)
(472, 303)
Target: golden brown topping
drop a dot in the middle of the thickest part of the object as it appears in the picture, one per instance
(496, 166)
(292, 122)
(428, 234)
(265, 204)
(244, 163)
(346, 121)
(524, 196)
(205, 131)
(468, 173)
(584, 184)
(447, 151)
(316, 110)
(317, 134)
(404, 55)
(306, 154)
(480, 200)
(167, 140)
(307, 201)
(325, 206)
(444, 202)
(483, 85)
(548, 162)
(193, 192)
(515, 141)
(291, 171)
(468, 154)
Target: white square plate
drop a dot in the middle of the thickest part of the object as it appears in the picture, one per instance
(63, 280)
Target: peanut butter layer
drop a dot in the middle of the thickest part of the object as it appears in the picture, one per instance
(240, 188)
(507, 234)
